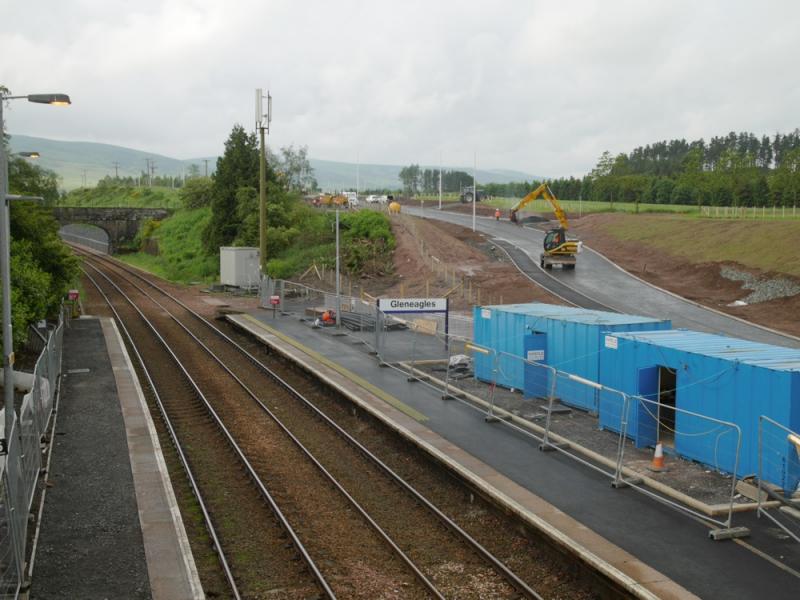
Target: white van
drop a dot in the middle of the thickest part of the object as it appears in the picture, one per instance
(352, 199)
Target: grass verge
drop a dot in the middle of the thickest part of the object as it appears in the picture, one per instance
(180, 255)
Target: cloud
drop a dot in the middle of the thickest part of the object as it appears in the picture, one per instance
(538, 86)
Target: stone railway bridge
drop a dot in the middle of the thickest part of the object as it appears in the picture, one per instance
(120, 224)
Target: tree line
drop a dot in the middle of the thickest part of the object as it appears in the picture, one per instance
(42, 267)
(738, 169)
(417, 180)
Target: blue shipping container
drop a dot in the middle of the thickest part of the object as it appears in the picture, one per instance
(564, 337)
(728, 379)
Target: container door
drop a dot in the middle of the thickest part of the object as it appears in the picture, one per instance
(536, 377)
(646, 433)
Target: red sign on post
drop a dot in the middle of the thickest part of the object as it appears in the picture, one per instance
(73, 294)
(274, 300)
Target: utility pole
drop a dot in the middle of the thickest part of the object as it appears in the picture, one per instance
(474, 187)
(338, 277)
(440, 181)
(116, 170)
(262, 124)
(147, 170)
(205, 160)
(152, 171)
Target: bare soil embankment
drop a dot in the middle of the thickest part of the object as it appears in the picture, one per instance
(690, 257)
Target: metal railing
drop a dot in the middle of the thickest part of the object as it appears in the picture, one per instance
(779, 475)
(20, 467)
(604, 429)
(607, 430)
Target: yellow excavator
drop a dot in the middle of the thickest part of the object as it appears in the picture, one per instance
(558, 249)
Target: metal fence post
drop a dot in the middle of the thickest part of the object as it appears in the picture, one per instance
(734, 475)
(760, 461)
(377, 333)
(550, 400)
(623, 428)
(446, 395)
(411, 376)
(490, 417)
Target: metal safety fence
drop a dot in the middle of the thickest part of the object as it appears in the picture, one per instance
(779, 475)
(20, 466)
(685, 460)
(606, 430)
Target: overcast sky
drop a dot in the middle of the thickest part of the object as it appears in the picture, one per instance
(540, 86)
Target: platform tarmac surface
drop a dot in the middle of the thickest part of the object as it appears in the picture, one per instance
(110, 527)
(604, 284)
(672, 543)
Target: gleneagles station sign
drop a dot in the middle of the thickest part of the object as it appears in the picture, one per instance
(409, 305)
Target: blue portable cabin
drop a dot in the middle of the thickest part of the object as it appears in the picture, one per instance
(720, 377)
(565, 337)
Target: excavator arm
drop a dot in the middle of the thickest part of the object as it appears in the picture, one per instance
(545, 192)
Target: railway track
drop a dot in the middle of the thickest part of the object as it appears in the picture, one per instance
(360, 528)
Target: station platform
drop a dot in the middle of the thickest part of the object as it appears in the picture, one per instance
(648, 548)
(110, 527)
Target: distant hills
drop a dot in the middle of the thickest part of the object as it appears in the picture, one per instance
(71, 159)
(74, 161)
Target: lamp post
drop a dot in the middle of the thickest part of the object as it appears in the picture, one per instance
(5, 260)
(263, 119)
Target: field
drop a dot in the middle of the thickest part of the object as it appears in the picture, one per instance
(575, 207)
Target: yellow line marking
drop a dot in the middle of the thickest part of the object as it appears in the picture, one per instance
(357, 379)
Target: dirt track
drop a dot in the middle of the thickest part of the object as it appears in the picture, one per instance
(419, 267)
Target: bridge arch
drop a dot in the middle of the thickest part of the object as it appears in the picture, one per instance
(120, 224)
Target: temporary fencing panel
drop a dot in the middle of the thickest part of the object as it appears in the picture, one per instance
(722, 378)
(574, 341)
(20, 468)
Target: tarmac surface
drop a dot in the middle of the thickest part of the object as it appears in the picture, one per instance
(669, 541)
(598, 281)
(110, 526)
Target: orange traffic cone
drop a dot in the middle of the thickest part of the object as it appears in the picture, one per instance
(657, 463)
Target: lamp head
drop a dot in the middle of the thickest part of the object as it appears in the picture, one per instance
(54, 99)
(29, 154)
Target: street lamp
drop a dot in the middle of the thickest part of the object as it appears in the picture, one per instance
(5, 264)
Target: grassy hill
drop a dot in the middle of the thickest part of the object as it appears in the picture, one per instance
(71, 159)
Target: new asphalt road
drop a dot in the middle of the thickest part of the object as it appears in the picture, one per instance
(598, 283)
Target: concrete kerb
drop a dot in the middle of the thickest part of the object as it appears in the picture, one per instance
(712, 510)
(303, 357)
(190, 568)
